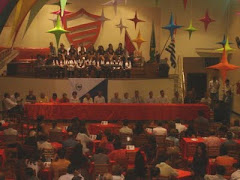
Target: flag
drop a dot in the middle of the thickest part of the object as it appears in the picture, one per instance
(152, 44)
(130, 48)
(171, 50)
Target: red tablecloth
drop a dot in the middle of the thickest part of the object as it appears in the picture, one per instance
(56, 145)
(184, 175)
(96, 128)
(46, 174)
(3, 156)
(106, 112)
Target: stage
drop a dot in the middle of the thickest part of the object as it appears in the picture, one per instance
(111, 112)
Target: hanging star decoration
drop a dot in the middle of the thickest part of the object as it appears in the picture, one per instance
(139, 40)
(59, 12)
(58, 3)
(226, 46)
(63, 4)
(114, 3)
(103, 18)
(58, 30)
(190, 29)
(206, 20)
(185, 3)
(136, 20)
(121, 26)
(223, 42)
(171, 26)
(224, 66)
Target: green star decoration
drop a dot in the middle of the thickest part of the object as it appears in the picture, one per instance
(227, 47)
(190, 29)
(58, 30)
(63, 4)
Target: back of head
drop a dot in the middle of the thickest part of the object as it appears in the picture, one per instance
(155, 172)
(61, 153)
(200, 113)
(99, 150)
(212, 132)
(116, 170)
(229, 135)
(178, 120)
(29, 172)
(54, 124)
(159, 123)
(76, 178)
(223, 151)
(107, 176)
(125, 122)
(220, 170)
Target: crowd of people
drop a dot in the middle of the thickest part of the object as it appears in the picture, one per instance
(86, 62)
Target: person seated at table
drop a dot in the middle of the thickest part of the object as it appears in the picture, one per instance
(173, 134)
(126, 98)
(235, 128)
(11, 106)
(100, 157)
(34, 162)
(55, 128)
(83, 138)
(31, 139)
(70, 142)
(43, 98)
(139, 165)
(224, 159)
(59, 163)
(138, 128)
(125, 129)
(16, 98)
(74, 98)
(150, 99)
(107, 141)
(30, 174)
(31, 98)
(87, 99)
(159, 130)
(43, 143)
(229, 141)
(162, 99)
(10, 130)
(165, 169)
(177, 99)
(99, 98)
(116, 98)
(220, 171)
(74, 126)
(206, 99)
(64, 98)
(77, 158)
(200, 123)
(212, 140)
(72, 171)
(179, 126)
(200, 161)
(137, 98)
(189, 98)
(236, 174)
(54, 98)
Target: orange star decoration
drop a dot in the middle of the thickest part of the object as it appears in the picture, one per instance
(224, 66)
(139, 40)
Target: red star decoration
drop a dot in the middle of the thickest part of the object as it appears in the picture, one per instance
(206, 20)
(136, 20)
(224, 66)
(185, 3)
(59, 12)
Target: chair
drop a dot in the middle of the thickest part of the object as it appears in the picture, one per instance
(213, 151)
(100, 169)
(55, 136)
(126, 139)
(140, 140)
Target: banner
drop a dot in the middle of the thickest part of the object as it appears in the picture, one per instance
(88, 85)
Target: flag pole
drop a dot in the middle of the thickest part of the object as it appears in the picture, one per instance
(165, 46)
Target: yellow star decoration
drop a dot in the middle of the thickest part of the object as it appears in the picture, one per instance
(227, 47)
(139, 40)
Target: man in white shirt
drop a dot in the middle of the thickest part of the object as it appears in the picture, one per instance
(74, 98)
(180, 127)
(88, 99)
(8, 103)
(162, 99)
(176, 99)
(10, 130)
(214, 86)
(236, 174)
(126, 99)
(115, 99)
(125, 129)
(150, 99)
(219, 175)
(71, 172)
(159, 130)
(99, 98)
(137, 98)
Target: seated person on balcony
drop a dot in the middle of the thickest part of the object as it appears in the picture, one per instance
(162, 99)
(87, 99)
(176, 99)
(100, 157)
(100, 53)
(125, 129)
(10, 105)
(54, 98)
(43, 98)
(116, 98)
(52, 50)
(150, 99)
(81, 48)
(62, 51)
(212, 140)
(70, 142)
(99, 98)
(31, 97)
(10, 130)
(64, 98)
(72, 51)
(91, 52)
(159, 130)
(119, 51)
(55, 128)
(126, 98)
(110, 52)
(137, 98)
(74, 98)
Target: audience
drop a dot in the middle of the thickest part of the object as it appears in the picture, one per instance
(173, 134)
(224, 159)
(71, 172)
(43, 143)
(115, 99)
(180, 127)
(162, 99)
(83, 138)
(219, 175)
(99, 98)
(35, 163)
(159, 130)
(236, 174)
(10, 130)
(126, 99)
(212, 140)
(55, 128)
(87, 99)
(206, 100)
(229, 140)
(77, 158)
(100, 157)
(125, 129)
(177, 99)
(70, 142)
(137, 98)
(139, 165)
(117, 173)
(150, 99)
(31, 139)
(200, 123)
(165, 169)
